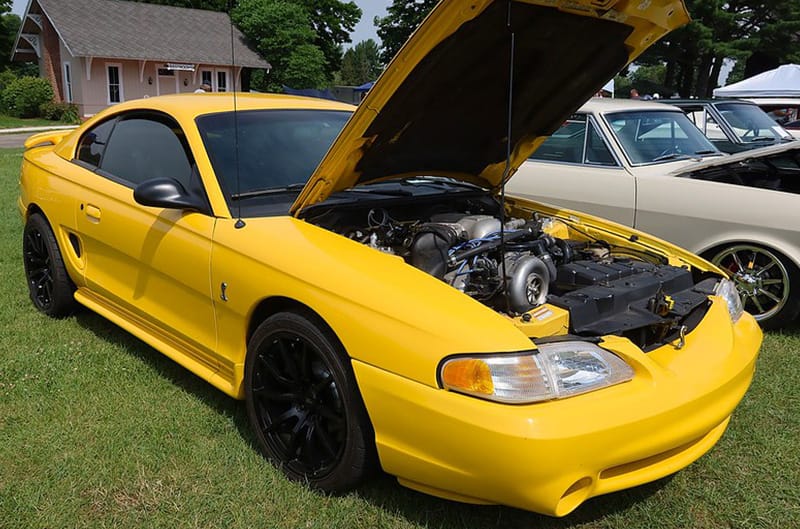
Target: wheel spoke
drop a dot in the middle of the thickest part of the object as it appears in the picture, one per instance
(264, 392)
(764, 269)
(736, 260)
(281, 420)
(757, 303)
(768, 294)
(289, 359)
(272, 371)
(326, 442)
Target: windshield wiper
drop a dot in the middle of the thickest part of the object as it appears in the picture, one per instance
(268, 191)
(763, 138)
(706, 151)
(670, 156)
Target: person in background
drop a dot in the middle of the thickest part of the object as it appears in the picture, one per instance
(205, 87)
(635, 94)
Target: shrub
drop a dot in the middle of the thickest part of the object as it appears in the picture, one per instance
(22, 97)
(66, 112)
(6, 76)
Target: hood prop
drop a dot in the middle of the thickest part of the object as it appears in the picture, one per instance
(507, 169)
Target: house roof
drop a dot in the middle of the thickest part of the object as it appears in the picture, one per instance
(121, 29)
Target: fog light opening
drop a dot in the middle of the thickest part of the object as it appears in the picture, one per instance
(574, 496)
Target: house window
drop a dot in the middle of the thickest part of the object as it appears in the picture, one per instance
(114, 73)
(205, 77)
(222, 81)
(67, 82)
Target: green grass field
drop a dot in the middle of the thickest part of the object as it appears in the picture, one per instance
(8, 122)
(99, 430)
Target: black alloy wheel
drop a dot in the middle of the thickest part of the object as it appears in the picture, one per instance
(50, 287)
(304, 405)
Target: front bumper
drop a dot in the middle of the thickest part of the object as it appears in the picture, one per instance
(549, 457)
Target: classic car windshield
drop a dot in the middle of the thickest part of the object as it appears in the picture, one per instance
(652, 136)
(267, 152)
(751, 124)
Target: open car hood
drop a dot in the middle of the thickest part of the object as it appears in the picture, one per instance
(739, 158)
(441, 106)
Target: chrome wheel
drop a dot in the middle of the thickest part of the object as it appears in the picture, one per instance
(761, 278)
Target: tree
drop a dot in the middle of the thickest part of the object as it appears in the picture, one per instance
(333, 21)
(402, 19)
(281, 32)
(361, 63)
(9, 25)
(765, 34)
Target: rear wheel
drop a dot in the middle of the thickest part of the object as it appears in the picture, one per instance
(304, 405)
(50, 287)
(766, 281)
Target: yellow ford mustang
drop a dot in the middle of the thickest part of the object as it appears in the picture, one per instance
(380, 302)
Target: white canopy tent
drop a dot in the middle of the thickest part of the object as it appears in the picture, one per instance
(783, 81)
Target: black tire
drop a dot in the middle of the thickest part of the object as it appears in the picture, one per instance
(768, 282)
(304, 405)
(51, 289)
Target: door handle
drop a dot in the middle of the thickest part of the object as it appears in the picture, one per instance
(93, 212)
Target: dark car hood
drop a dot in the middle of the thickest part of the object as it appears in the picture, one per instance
(442, 105)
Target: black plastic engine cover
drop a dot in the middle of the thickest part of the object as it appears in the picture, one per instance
(616, 296)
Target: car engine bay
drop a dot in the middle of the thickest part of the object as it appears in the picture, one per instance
(517, 265)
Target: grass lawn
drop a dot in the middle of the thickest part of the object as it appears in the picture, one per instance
(99, 430)
(7, 122)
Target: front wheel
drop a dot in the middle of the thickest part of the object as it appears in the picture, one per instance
(304, 405)
(766, 281)
(49, 285)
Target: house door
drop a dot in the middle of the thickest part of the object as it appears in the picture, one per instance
(221, 81)
(167, 82)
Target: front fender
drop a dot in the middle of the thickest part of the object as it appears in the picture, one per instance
(384, 311)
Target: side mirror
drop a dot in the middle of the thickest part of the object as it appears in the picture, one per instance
(166, 193)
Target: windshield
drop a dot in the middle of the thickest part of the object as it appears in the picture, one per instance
(268, 154)
(751, 124)
(653, 136)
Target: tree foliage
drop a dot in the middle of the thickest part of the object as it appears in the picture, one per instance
(361, 63)
(402, 19)
(9, 25)
(329, 24)
(332, 21)
(764, 34)
(281, 32)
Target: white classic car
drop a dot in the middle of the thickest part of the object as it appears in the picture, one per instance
(645, 165)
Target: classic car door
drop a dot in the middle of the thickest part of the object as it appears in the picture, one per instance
(577, 169)
(149, 265)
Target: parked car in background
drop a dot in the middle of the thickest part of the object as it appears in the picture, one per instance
(784, 110)
(733, 125)
(646, 165)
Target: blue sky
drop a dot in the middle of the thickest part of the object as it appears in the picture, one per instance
(363, 31)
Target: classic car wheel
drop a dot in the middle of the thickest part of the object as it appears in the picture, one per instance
(50, 287)
(304, 405)
(764, 280)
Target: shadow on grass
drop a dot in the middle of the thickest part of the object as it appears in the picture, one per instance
(382, 491)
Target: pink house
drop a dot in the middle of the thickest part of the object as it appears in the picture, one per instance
(100, 52)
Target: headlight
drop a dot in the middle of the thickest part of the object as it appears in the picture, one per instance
(554, 371)
(726, 289)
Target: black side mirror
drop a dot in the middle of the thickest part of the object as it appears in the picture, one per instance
(166, 193)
